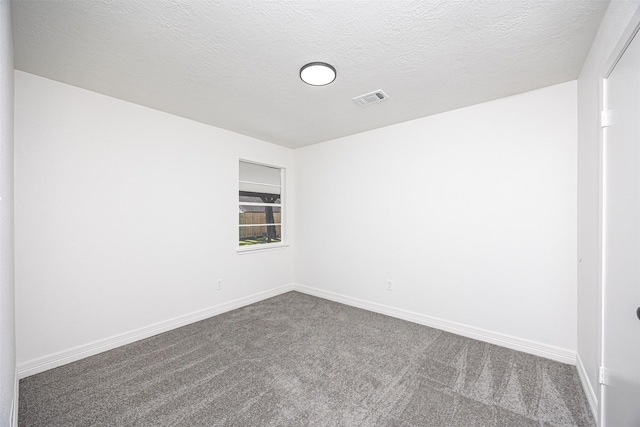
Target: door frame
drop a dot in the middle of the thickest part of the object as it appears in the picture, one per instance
(632, 29)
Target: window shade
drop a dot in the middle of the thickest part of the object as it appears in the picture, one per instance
(259, 179)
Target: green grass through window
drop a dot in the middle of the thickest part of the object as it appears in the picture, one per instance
(258, 241)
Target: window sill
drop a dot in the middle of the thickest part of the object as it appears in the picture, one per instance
(261, 248)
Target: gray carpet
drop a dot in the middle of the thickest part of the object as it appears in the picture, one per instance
(297, 360)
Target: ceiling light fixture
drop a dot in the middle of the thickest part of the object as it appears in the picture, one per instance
(317, 73)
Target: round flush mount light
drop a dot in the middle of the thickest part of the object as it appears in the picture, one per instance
(317, 73)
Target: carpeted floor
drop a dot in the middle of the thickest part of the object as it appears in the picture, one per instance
(297, 360)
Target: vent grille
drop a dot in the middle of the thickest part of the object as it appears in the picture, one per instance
(370, 98)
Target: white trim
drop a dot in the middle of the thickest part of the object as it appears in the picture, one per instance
(273, 205)
(616, 53)
(261, 183)
(587, 387)
(261, 247)
(13, 415)
(623, 43)
(600, 264)
(514, 343)
(44, 363)
(67, 356)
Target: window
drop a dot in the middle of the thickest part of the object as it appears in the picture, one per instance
(260, 203)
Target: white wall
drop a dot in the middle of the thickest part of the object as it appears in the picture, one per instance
(8, 383)
(613, 24)
(471, 214)
(125, 218)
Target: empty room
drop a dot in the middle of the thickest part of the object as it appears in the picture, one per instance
(319, 213)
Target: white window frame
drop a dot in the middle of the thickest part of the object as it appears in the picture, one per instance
(264, 246)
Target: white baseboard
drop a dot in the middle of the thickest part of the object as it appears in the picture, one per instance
(51, 361)
(527, 346)
(588, 388)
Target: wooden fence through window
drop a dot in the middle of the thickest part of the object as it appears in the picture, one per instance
(257, 218)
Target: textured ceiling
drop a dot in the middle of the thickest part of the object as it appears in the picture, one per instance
(234, 64)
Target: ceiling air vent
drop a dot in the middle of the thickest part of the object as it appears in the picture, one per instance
(370, 98)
